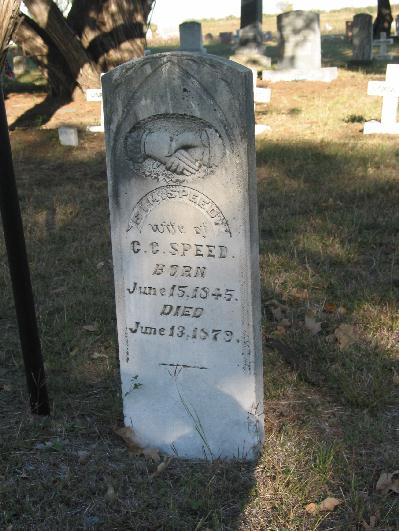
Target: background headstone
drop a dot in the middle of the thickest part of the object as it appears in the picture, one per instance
(250, 51)
(226, 37)
(19, 65)
(251, 24)
(382, 43)
(300, 50)
(181, 170)
(191, 37)
(389, 91)
(362, 38)
(300, 41)
(68, 136)
(96, 95)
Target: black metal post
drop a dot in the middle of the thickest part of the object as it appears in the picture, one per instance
(20, 276)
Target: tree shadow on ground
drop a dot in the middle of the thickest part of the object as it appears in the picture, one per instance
(321, 440)
(40, 114)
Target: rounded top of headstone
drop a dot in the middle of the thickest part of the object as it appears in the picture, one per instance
(362, 15)
(190, 23)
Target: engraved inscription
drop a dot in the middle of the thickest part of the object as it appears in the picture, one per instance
(178, 193)
(173, 148)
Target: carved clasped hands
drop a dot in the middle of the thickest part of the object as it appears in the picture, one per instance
(172, 150)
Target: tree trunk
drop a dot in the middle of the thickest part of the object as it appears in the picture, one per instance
(9, 10)
(112, 31)
(49, 18)
(384, 19)
(96, 36)
(36, 43)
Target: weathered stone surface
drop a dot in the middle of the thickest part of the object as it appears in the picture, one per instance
(362, 38)
(181, 168)
(191, 37)
(300, 42)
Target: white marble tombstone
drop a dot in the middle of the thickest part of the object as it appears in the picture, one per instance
(191, 37)
(96, 95)
(179, 131)
(389, 91)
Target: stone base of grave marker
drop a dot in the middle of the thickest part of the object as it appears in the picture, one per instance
(326, 75)
(262, 128)
(377, 128)
(181, 170)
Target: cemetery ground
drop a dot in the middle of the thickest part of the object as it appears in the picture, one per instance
(329, 223)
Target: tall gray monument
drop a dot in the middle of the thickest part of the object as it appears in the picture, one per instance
(250, 51)
(362, 38)
(179, 131)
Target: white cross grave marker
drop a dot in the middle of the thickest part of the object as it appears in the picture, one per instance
(96, 95)
(261, 95)
(382, 43)
(389, 90)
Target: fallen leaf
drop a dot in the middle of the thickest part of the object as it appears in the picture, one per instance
(388, 482)
(100, 265)
(83, 457)
(301, 294)
(110, 495)
(395, 377)
(285, 322)
(161, 467)
(91, 327)
(329, 307)
(329, 504)
(341, 310)
(312, 508)
(311, 324)
(134, 446)
(346, 335)
(280, 330)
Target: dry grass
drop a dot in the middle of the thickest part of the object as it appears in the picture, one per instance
(329, 225)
